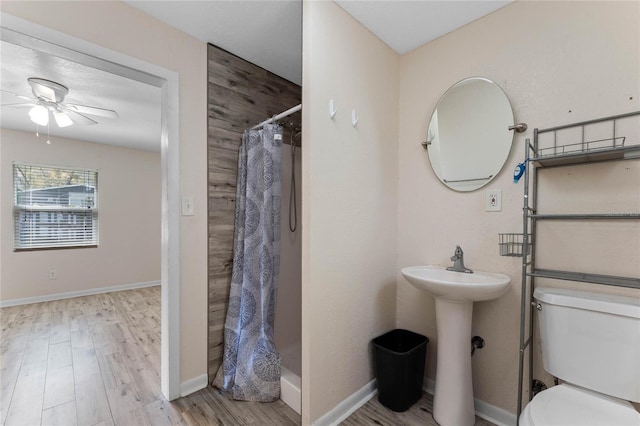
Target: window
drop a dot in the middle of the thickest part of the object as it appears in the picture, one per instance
(54, 207)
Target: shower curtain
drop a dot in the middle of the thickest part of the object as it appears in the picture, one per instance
(250, 369)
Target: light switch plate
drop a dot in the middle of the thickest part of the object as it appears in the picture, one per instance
(187, 206)
(493, 200)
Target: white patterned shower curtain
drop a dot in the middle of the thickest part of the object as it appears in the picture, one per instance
(250, 369)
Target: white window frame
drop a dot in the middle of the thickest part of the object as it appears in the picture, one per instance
(58, 239)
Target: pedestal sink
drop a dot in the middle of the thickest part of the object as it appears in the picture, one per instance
(455, 293)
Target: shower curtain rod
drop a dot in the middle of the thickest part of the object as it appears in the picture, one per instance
(279, 116)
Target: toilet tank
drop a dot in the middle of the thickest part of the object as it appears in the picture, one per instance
(591, 340)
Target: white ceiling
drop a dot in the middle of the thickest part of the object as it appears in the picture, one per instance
(405, 25)
(267, 33)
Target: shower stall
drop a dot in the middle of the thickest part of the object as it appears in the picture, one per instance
(241, 94)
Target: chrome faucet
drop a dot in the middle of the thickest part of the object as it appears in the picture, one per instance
(458, 262)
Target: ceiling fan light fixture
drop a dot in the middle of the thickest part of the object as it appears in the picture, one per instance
(62, 119)
(39, 115)
(48, 98)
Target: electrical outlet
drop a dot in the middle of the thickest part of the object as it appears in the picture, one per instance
(493, 200)
(53, 274)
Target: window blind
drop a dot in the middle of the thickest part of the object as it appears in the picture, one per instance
(54, 207)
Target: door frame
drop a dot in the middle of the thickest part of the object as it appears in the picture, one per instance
(28, 34)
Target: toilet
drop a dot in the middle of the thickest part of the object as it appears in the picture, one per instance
(591, 342)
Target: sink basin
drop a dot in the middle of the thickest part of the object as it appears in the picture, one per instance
(457, 286)
(455, 293)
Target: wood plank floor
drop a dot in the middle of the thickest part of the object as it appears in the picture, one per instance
(420, 413)
(95, 360)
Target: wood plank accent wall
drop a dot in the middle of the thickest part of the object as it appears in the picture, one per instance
(240, 95)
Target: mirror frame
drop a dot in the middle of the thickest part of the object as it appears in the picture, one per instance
(427, 144)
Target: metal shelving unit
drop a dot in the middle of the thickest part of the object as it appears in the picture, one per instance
(536, 159)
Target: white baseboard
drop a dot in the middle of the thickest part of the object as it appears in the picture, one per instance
(290, 392)
(345, 408)
(194, 385)
(494, 414)
(70, 294)
(483, 409)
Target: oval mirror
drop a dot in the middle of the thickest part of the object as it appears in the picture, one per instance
(468, 139)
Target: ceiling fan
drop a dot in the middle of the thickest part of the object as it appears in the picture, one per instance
(48, 99)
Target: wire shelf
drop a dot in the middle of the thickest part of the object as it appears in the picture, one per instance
(512, 245)
(581, 147)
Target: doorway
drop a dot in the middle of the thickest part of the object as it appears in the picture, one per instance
(30, 35)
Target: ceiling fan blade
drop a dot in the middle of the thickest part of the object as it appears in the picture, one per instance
(26, 98)
(101, 112)
(76, 117)
(20, 105)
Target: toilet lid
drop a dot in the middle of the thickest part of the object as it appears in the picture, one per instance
(567, 405)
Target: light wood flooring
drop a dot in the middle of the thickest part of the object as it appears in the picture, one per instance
(95, 360)
(374, 413)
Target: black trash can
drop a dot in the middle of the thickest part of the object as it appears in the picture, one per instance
(399, 358)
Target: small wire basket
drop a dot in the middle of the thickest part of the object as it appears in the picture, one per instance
(513, 245)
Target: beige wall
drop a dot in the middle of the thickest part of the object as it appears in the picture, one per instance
(558, 62)
(121, 28)
(349, 204)
(128, 216)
